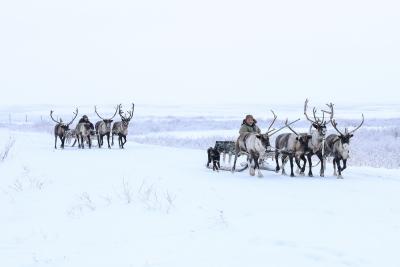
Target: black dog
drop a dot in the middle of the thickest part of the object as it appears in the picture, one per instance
(214, 156)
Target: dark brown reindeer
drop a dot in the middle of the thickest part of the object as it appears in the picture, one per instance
(120, 128)
(294, 146)
(316, 143)
(338, 147)
(61, 129)
(255, 146)
(103, 127)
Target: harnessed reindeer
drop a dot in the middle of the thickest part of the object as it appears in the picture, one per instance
(316, 144)
(292, 145)
(103, 128)
(61, 129)
(83, 131)
(255, 146)
(120, 128)
(338, 147)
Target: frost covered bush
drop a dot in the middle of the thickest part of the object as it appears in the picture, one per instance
(376, 148)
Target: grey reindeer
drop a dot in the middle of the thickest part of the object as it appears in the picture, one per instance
(120, 128)
(338, 147)
(316, 144)
(292, 145)
(61, 129)
(103, 128)
(83, 131)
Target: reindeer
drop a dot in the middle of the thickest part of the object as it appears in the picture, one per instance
(103, 128)
(120, 128)
(83, 131)
(255, 146)
(292, 145)
(61, 129)
(317, 142)
(338, 147)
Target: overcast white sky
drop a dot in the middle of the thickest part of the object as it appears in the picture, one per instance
(178, 51)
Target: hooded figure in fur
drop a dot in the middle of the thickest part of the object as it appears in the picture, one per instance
(249, 125)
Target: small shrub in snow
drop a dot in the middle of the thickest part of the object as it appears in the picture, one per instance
(6, 150)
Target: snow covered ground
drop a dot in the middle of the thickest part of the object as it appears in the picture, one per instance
(149, 205)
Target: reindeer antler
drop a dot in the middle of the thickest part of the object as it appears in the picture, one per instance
(51, 116)
(116, 111)
(358, 127)
(95, 110)
(76, 115)
(290, 128)
(317, 119)
(286, 125)
(305, 112)
(273, 121)
(334, 124)
(130, 112)
(331, 112)
(120, 111)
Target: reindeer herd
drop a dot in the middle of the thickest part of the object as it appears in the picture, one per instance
(294, 147)
(297, 148)
(84, 130)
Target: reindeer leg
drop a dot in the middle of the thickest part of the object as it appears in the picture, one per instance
(124, 141)
(339, 168)
(250, 162)
(303, 158)
(108, 140)
(291, 165)
(120, 141)
(74, 142)
(55, 143)
(112, 139)
(310, 174)
(90, 141)
(344, 167)
(277, 161)
(283, 159)
(344, 164)
(334, 167)
(62, 142)
(321, 158)
(257, 163)
(298, 169)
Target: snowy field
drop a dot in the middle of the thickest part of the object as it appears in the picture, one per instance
(155, 204)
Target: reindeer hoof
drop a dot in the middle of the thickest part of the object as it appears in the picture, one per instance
(292, 175)
(260, 175)
(340, 177)
(302, 174)
(310, 175)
